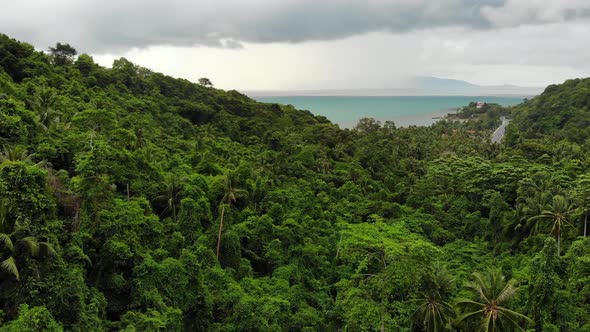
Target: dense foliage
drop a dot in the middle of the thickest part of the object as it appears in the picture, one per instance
(135, 201)
(562, 112)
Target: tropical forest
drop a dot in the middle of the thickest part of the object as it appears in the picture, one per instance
(135, 201)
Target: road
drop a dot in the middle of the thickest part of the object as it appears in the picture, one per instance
(499, 133)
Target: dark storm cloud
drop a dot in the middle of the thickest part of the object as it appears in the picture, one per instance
(110, 26)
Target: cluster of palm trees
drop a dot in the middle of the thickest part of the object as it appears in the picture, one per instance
(486, 311)
(15, 153)
(16, 243)
(231, 193)
(43, 103)
(554, 215)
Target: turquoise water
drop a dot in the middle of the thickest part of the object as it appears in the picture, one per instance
(403, 110)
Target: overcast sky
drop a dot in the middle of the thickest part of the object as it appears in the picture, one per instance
(320, 44)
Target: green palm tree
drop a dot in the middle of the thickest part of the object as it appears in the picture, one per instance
(13, 244)
(15, 153)
(19, 153)
(582, 195)
(231, 194)
(43, 103)
(556, 215)
(433, 312)
(172, 193)
(488, 312)
(258, 190)
(533, 205)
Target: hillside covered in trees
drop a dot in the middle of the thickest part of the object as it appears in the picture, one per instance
(134, 201)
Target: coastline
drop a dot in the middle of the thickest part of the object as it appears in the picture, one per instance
(404, 111)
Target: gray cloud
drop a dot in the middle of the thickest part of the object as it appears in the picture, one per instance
(113, 26)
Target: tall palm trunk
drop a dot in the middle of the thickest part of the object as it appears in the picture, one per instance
(220, 230)
(174, 210)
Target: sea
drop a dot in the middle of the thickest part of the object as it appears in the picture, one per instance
(404, 111)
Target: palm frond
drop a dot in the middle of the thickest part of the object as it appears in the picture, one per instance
(479, 286)
(4, 210)
(46, 249)
(31, 244)
(433, 315)
(15, 153)
(6, 241)
(507, 292)
(9, 266)
(513, 315)
(161, 197)
(512, 323)
(488, 323)
(239, 192)
(462, 302)
(464, 317)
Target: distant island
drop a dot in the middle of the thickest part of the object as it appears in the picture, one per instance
(416, 86)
